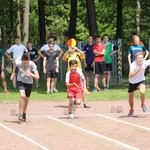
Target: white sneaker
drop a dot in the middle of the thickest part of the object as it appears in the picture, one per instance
(51, 92)
(55, 90)
(70, 116)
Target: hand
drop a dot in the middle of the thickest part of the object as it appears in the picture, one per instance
(139, 68)
(12, 76)
(35, 60)
(28, 73)
(75, 84)
(44, 70)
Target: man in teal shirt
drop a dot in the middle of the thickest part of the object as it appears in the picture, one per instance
(108, 57)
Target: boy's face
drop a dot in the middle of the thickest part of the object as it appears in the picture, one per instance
(17, 41)
(25, 63)
(74, 67)
(139, 59)
(136, 39)
(90, 39)
(98, 40)
(29, 45)
(105, 39)
(51, 47)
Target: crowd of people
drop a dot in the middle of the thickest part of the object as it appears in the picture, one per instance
(97, 61)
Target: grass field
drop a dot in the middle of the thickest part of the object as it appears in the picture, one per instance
(116, 92)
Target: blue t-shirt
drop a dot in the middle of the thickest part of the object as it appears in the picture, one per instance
(88, 50)
(134, 49)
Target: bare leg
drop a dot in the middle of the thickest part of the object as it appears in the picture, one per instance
(37, 83)
(87, 79)
(142, 92)
(70, 106)
(48, 85)
(14, 81)
(131, 102)
(95, 80)
(52, 82)
(25, 104)
(108, 75)
(103, 80)
(55, 82)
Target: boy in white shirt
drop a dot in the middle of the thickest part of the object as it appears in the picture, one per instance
(137, 81)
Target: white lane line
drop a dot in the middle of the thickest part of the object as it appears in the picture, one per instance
(124, 122)
(94, 133)
(22, 136)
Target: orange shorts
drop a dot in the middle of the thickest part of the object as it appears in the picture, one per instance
(75, 93)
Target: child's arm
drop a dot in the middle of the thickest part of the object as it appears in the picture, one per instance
(44, 65)
(71, 84)
(57, 64)
(132, 73)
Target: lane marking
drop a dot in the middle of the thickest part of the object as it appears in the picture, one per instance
(124, 122)
(94, 133)
(23, 136)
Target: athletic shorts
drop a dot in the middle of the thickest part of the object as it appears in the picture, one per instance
(99, 68)
(134, 87)
(51, 74)
(88, 68)
(26, 87)
(75, 93)
(109, 67)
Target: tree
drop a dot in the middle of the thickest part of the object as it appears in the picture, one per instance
(73, 19)
(26, 22)
(18, 19)
(91, 16)
(42, 28)
(119, 19)
(138, 15)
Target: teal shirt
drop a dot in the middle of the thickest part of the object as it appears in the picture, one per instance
(108, 51)
(2, 54)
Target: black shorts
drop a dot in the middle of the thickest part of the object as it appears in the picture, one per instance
(109, 67)
(89, 68)
(51, 74)
(99, 68)
(26, 87)
(134, 87)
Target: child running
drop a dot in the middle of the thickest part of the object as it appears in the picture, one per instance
(27, 70)
(75, 83)
(137, 80)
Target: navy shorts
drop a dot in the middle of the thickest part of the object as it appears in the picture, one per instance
(51, 74)
(89, 68)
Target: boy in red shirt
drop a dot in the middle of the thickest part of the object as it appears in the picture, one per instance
(75, 84)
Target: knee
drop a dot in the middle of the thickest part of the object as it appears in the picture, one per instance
(78, 101)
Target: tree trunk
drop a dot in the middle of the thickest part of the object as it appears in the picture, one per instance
(119, 19)
(73, 19)
(91, 16)
(42, 29)
(18, 19)
(138, 14)
(26, 22)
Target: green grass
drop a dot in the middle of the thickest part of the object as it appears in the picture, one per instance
(117, 92)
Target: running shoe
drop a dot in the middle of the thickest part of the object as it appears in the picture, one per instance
(70, 116)
(94, 90)
(85, 106)
(52, 91)
(130, 113)
(21, 117)
(55, 90)
(144, 108)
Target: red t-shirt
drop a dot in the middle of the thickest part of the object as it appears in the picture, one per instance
(75, 77)
(99, 48)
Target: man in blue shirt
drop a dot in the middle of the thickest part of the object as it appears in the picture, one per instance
(89, 60)
(133, 49)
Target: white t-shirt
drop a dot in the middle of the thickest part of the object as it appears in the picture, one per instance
(46, 47)
(140, 75)
(22, 76)
(17, 50)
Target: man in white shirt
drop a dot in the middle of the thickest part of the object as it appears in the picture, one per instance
(137, 80)
(46, 47)
(17, 50)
